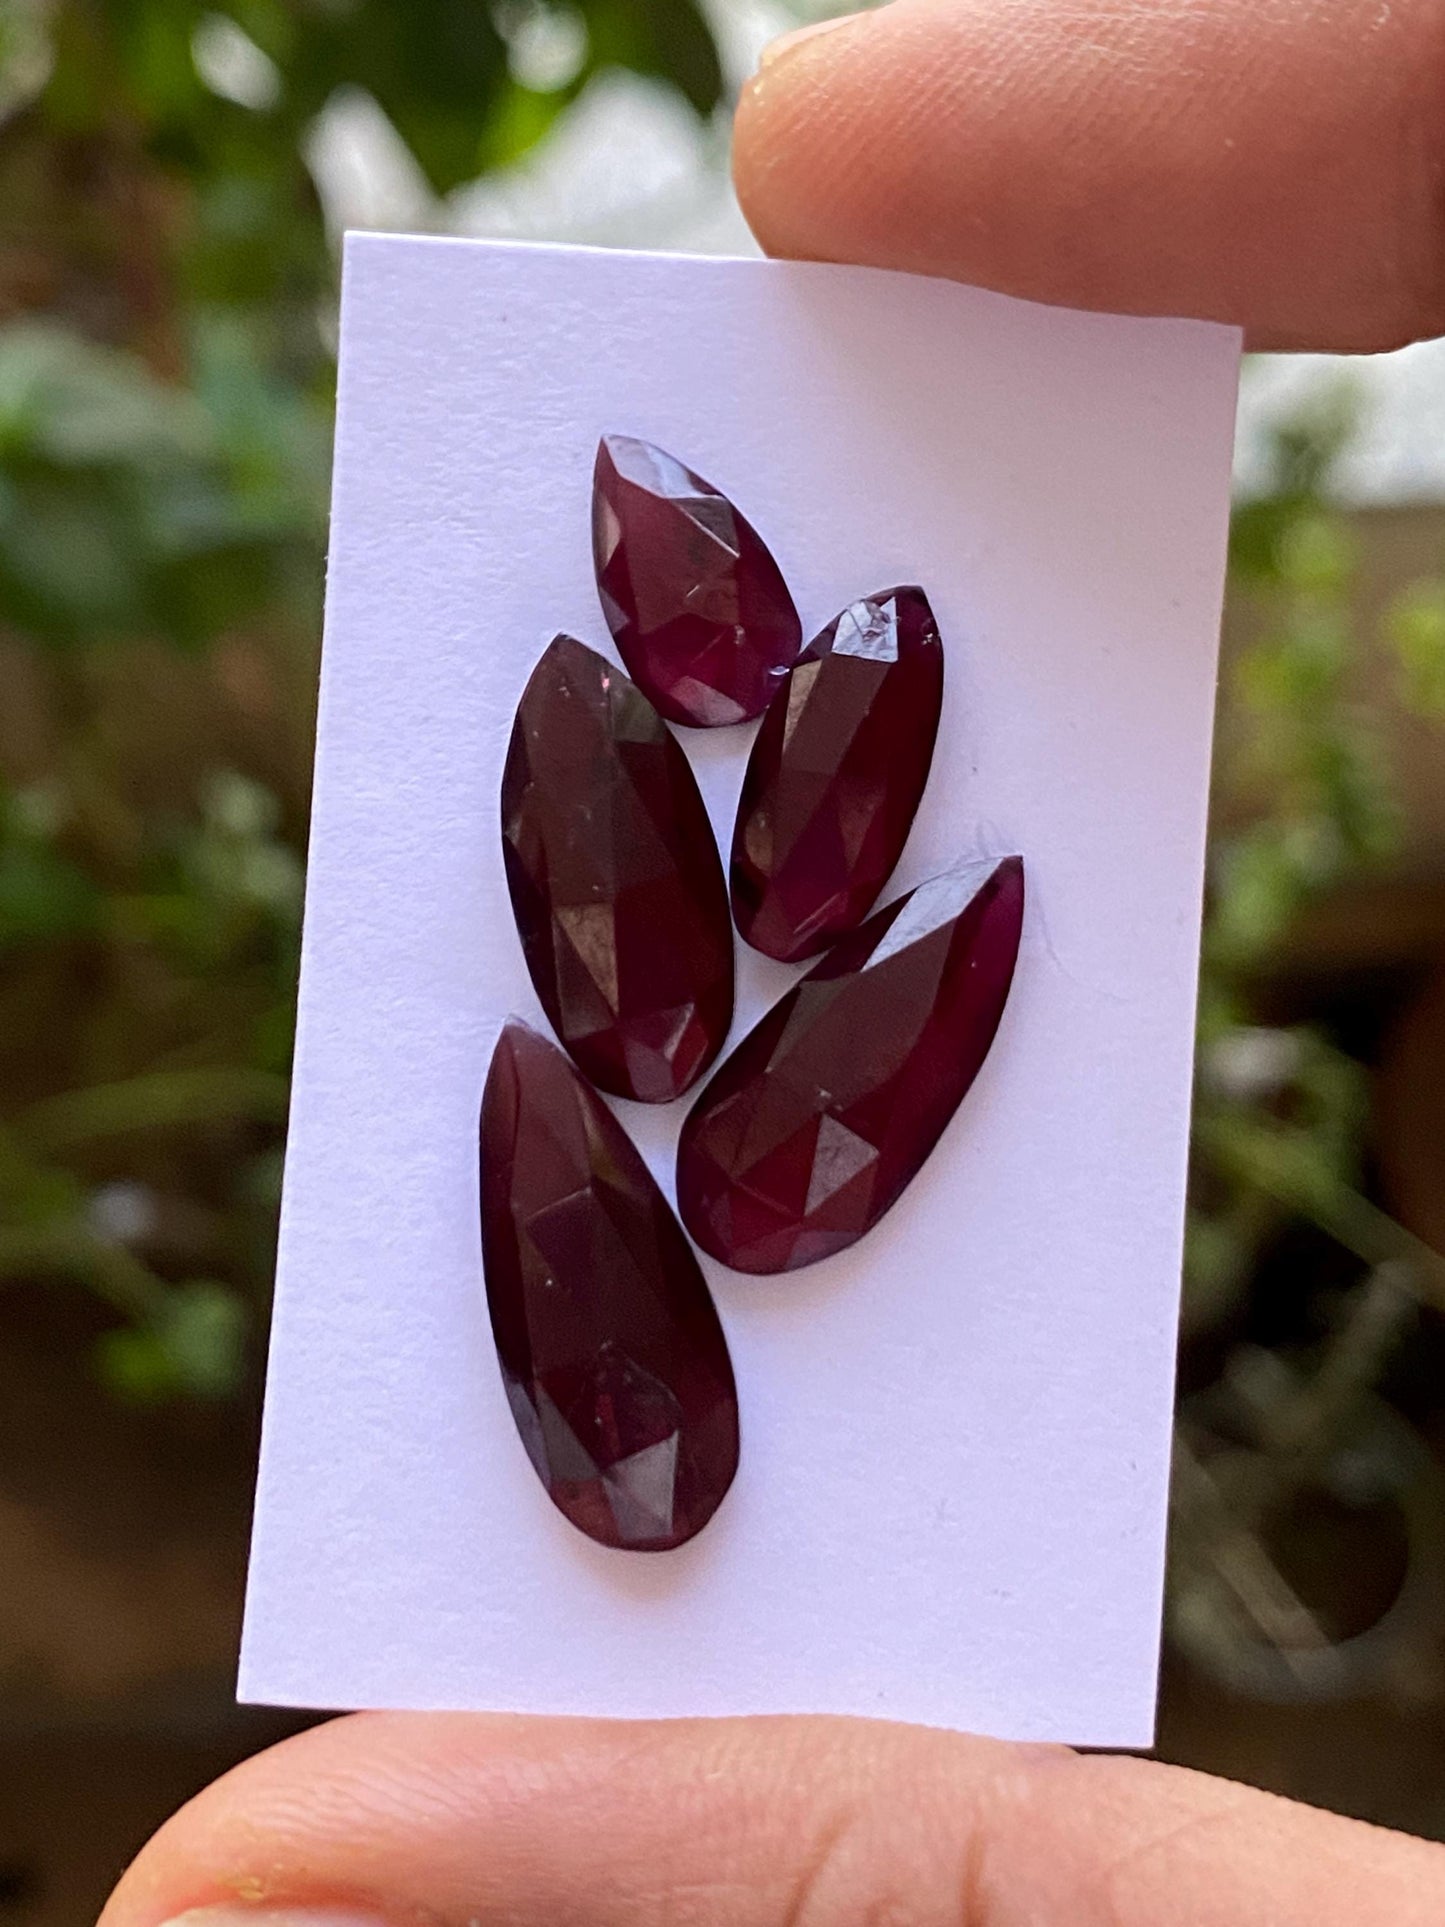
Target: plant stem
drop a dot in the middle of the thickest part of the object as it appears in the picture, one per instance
(160, 1100)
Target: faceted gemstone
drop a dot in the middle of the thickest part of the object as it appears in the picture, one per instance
(828, 1109)
(836, 774)
(616, 883)
(615, 1365)
(694, 599)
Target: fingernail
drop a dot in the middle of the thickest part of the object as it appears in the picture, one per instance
(787, 42)
(230, 1913)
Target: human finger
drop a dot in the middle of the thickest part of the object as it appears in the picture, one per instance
(463, 1821)
(1279, 164)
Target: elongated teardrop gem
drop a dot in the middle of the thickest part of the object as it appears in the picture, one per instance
(814, 1126)
(694, 599)
(614, 1362)
(615, 878)
(836, 775)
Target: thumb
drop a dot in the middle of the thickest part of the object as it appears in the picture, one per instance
(385, 1820)
(1274, 163)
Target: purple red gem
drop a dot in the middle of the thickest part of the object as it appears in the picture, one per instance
(695, 602)
(836, 775)
(615, 879)
(614, 1362)
(812, 1128)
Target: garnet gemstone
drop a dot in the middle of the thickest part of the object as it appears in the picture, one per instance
(829, 1107)
(615, 1365)
(694, 599)
(616, 883)
(836, 774)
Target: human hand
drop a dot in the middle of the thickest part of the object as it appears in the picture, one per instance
(1276, 163)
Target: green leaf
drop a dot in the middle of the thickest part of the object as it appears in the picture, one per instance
(44, 896)
(195, 1347)
(434, 66)
(1318, 555)
(153, 40)
(71, 404)
(521, 119)
(670, 40)
(134, 1366)
(1259, 889)
(1415, 630)
(154, 1101)
(204, 1337)
(131, 507)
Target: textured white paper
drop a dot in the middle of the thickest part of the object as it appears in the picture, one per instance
(955, 1437)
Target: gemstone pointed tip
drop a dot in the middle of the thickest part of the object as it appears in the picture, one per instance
(516, 1034)
(561, 655)
(565, 647)
(904, 592)
(1008, 868)
(608, 448)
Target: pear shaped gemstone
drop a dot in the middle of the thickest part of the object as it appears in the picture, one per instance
(836, 775)
(616, 883)
(694, 600)
(827, 1110)
(613, 1359)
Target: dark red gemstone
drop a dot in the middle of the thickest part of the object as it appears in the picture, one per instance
(829, 1107)
(616, 883)
(694, 599)
(836, 775)
(616, 1368)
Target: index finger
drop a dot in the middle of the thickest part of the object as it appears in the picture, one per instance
(1279, 164)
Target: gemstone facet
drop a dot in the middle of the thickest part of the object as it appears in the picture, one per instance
(814, 1126)
(614, 1362)
(693, 597)
(836, 775)
(615, 879)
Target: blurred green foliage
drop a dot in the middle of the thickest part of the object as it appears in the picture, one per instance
(167, 289)
(167, 283)
(1300, 744)
(1415, 628)
(1305, 801)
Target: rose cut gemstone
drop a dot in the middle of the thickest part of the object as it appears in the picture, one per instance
(836, 775)
(694, 600)
(828, 1109)
(616, 883)
(613, 1359)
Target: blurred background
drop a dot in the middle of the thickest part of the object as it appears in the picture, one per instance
(173, 178)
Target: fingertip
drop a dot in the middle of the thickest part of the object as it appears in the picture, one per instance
(1224, 161)
(780, 109)
(787, 44)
